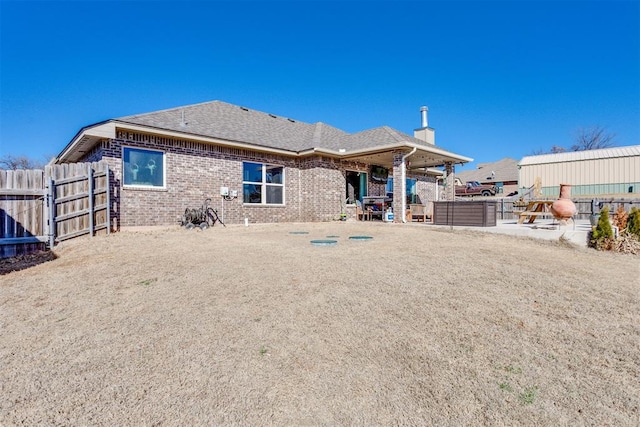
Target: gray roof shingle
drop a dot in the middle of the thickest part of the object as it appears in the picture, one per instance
(230, 122)
(505, 170)
(217, 119)
(379, 136)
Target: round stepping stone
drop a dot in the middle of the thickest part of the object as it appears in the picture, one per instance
(324, 242)
(360, 237)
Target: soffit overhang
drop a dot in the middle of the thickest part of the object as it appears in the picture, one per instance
(88, 137)
(421, 160)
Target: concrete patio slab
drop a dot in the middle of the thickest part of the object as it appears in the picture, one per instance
(547, 229)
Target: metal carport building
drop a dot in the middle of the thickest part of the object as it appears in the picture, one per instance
(591, 173)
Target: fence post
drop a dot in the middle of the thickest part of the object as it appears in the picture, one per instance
(108, 180)
(51, 204)
(91, 204)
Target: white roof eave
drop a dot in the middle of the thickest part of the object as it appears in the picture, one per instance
(91, 135)
(84, 141)
(455, 158)
(88, 136)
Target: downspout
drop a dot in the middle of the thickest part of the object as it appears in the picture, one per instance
(403, 174)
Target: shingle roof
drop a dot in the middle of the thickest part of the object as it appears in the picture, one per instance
(575, 156)
(233, 125)
(327, 136)
(505, 170)
(217, 119)
(378, 136)
(221, 120)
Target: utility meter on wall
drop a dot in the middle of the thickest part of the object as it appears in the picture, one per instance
(224, 191)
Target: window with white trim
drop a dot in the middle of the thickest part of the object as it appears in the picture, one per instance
(262, 184)
(143, 167)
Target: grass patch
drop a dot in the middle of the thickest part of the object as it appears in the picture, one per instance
(505, 387)
(528, 396)
(147, 282)
(510, 369)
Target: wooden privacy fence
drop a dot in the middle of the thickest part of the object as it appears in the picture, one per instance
(79, 194)
(39, 208)
(22, 212)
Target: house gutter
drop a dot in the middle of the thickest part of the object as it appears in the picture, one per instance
(325, 151)
(403, 174)
(202, 138)
(85, 131)
(108, 129)
(454, 158)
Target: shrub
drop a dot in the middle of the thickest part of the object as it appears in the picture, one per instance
(628, 240)
(633, 222)
(620, 218)
(602, 235)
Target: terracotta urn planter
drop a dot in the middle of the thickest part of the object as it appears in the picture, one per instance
(564, 208)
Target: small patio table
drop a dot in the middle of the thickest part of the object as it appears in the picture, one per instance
(534, 209)
(380, 202)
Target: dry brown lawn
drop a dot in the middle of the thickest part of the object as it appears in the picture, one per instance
(255, 326)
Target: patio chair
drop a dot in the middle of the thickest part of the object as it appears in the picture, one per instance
(420, 212)
(361, 213)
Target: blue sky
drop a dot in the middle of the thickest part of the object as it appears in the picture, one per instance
(501, 79)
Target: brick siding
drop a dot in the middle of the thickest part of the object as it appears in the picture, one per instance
(314, 186)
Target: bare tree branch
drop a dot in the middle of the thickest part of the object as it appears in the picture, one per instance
(557, 149)
(20, 162)
(593, 138)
